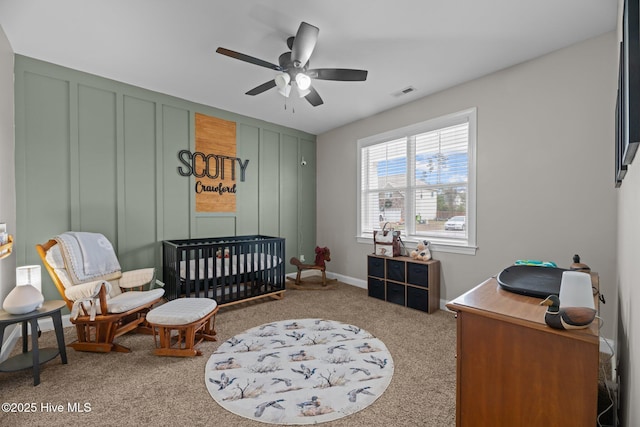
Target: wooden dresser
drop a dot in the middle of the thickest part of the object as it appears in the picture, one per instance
(514, 370)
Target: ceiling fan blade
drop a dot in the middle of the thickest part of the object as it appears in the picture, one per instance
(303, 44)
(314, 98)
(262, 88)
(340, 74)
(247, 58)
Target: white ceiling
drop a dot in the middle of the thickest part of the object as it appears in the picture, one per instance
(169, 46)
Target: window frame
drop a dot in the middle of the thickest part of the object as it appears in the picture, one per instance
(461, 246)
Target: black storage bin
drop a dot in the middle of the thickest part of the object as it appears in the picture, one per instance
(395, 270)
(418, 298)
(418, 274)
(395, 293)
(376, 288)
(375, 267)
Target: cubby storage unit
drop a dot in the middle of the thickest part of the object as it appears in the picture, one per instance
(405, 281)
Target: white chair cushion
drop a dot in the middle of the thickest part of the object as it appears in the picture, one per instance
(54, 257)
(64, 277)
(86, 290)
(130, 300)
(181, 311)
(113, 290)
(135, 278)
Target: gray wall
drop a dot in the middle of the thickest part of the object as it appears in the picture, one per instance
(544, 170)
(97, 155)
(629, 294)
(628, 250)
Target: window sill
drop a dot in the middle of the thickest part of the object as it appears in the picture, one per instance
(435, 246)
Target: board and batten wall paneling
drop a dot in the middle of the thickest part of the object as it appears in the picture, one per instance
(137, 205)
(306, 199)
(247, 197)
(43, 168)
(269, 183)
(289, 194)
(7, 171)
(93, 154)
(214, 226)
(175, 191)
(96, 151)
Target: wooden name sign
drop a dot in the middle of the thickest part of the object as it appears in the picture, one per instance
(214, 164)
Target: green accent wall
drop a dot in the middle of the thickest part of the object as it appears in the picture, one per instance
(93, 154)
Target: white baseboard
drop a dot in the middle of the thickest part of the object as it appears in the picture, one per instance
(344, 279)
(358, 283)
(607, 346)
(45, 324)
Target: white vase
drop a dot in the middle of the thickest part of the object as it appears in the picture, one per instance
(23, 299)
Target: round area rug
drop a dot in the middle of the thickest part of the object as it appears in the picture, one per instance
(303, 371)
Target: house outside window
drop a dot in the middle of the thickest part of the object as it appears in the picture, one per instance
(420, 180)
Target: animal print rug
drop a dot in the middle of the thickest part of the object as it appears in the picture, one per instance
(303, 371)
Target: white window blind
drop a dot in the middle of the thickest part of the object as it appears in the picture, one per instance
(422, 182)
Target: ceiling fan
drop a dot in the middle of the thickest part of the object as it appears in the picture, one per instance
(294, 67)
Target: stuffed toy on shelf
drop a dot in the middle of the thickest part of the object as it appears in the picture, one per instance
(421, 252)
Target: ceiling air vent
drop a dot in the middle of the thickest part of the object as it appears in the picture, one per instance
(407, 90)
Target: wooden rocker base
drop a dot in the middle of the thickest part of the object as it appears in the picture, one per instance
(98, 347)
(180, 340)
(323, 255)
(98, 336)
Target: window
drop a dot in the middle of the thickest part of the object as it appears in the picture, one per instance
(421, 180)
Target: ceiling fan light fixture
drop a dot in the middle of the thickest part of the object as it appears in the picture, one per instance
(293, 68)
(282, 81)
(285, 91)
(303, 81)
(303, 92)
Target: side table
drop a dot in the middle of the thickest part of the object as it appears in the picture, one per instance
(35, 357)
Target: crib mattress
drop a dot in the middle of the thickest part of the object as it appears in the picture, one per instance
(227, 266)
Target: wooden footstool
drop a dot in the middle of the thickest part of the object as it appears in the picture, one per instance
(179, 323)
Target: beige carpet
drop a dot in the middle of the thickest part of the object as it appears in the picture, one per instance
(139, 388)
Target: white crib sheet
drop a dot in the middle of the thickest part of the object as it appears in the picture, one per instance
(229, 266)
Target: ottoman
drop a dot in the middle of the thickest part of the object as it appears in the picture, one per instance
(181, 324)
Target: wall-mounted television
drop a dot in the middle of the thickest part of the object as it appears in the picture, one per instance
(628, 102)
(621, 169)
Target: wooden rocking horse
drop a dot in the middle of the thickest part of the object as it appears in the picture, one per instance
(323, 255)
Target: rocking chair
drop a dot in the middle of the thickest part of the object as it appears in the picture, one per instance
(105, 308)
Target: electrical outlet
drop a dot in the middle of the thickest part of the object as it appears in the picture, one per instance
(301, 257)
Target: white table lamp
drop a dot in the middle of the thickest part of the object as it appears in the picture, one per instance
(576, 290)
(27, 295)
